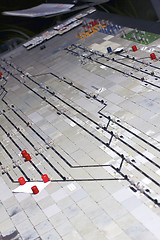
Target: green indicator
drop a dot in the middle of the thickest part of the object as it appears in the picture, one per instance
(141, 37)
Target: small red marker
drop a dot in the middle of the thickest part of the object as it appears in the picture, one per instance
(153, 56)
(35, 189)
(134, 48)
(21, 180)
(45, 178)
(24, 152)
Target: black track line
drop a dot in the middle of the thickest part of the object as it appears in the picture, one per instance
(120, 155)
(118, 70)
(96, 100)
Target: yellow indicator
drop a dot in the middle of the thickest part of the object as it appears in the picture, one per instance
(87, 34)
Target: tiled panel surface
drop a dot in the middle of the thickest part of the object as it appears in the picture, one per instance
(90, 121)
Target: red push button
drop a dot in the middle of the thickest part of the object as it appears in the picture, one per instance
(21, 180)
(153, 56)
(45, 178)
(134, 48)
(24, 152)
(35, 189)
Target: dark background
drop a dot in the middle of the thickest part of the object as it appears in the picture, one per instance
(15, 30)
